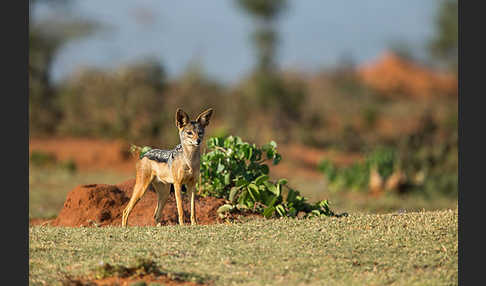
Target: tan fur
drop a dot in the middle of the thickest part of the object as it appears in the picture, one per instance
(183, 170)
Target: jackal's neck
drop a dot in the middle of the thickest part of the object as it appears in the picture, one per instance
(190, 153)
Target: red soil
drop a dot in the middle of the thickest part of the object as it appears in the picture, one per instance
(102, 205)
(88, 154)
(391, 75)
(125, 281)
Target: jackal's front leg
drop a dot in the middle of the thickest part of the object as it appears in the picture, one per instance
(180, 211)
(192, 188)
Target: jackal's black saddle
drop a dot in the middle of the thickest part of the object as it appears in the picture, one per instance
(163, 155)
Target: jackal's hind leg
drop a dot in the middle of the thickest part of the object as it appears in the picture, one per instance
(143, 180)
(163, 191)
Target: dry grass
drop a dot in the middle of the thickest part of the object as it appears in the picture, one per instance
(392, 249)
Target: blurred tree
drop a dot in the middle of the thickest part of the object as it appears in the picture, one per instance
(265, 37)
(444, 45)
(266, 87)
(46, 37)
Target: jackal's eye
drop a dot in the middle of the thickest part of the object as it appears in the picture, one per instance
(189, 132)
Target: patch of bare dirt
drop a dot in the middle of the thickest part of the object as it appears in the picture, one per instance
(87, 153)
(125, 281)
(103, 205)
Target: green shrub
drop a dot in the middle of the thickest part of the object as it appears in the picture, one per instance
(237, 171)
(429, 167)
(356, 176)
(40, 158)
(385, 160)
(69, 165)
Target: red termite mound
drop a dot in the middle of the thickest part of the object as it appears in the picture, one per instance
(102, 205)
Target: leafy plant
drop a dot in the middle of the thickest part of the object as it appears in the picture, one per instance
(237, 171)
(357, 176)
(69, 165)
(40, 158)
(425, 165)
(141, 150)
(432, 167)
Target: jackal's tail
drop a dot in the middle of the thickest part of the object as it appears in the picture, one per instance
(138, 151)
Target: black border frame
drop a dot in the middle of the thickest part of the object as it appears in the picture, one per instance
(16, 140)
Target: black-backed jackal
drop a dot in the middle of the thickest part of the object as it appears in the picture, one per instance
(179, 166)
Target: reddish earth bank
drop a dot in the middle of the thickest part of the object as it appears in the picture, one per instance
(126, 281)
(102, 205)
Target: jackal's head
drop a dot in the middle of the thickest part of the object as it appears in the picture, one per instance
(192, 132)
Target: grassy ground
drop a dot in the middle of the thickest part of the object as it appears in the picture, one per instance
(391, 249)
(368, 247)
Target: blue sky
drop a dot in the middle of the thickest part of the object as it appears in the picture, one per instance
(314, 34)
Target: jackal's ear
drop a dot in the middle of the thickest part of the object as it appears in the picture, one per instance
(204, 117)
(181, 118)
